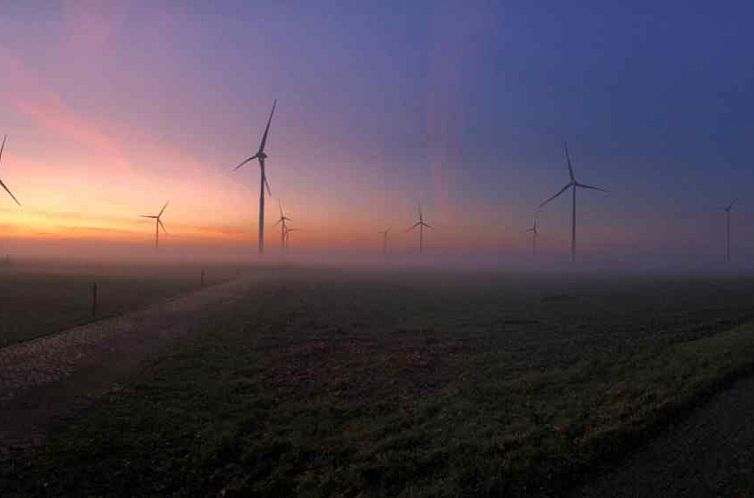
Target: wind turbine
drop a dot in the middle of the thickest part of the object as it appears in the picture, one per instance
(157, 225)
(384, 239)
(2, 147)
(421, 226)
(283, 225)
(264, 184)
(534, 233)
(287, 233)
(727, 229)
(573, 184)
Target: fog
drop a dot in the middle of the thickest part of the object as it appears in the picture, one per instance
(87, 253)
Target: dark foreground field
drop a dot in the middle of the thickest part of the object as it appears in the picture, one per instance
(321, 383)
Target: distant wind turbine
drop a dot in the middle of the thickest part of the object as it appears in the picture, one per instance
(573, 184)
(421, 226)
(264, 184)
(727, 229)
(157, 225)
(283, 222)
(287, 235)
(2, 148)
(384, 239)
(534, 233)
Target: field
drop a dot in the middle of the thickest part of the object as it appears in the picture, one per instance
(41, 298)
(325, 382)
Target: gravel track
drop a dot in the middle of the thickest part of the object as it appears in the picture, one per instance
(45, 378)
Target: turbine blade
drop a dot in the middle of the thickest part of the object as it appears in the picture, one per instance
(2, 148)
(163, 209)
(427, 225)
(264, 176)
(267, 186)
(9, 192)
(590, 187)
(147, 216)
(556, 195)
(280, 205)
(267, 128)
(159, 222)
(568, 160)
(246, 161)
(414, 226)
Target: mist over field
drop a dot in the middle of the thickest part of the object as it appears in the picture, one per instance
(613, 263)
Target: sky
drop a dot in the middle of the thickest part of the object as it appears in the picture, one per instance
(113, 108)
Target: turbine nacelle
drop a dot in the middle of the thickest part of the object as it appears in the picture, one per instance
(283, 220)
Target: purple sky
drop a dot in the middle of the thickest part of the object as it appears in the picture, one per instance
(111, 110)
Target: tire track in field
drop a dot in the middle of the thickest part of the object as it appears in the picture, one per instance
(47, 377)
(709, 453)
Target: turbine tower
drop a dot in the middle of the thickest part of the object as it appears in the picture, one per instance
(573, 184)
(534, 233)
(727, 230)
(2, 148)
(384, 239)
(264, 184)
(283, 222)
(157, 225)
(421, 226)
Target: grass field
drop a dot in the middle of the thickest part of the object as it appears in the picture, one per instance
(325, 384)
(39, 299)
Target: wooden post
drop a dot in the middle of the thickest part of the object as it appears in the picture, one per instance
(202, 277)
(94, 299)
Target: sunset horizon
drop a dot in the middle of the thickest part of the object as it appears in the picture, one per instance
(92, 146)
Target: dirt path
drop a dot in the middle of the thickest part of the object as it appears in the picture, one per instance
(710, 453)
(47, 377)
